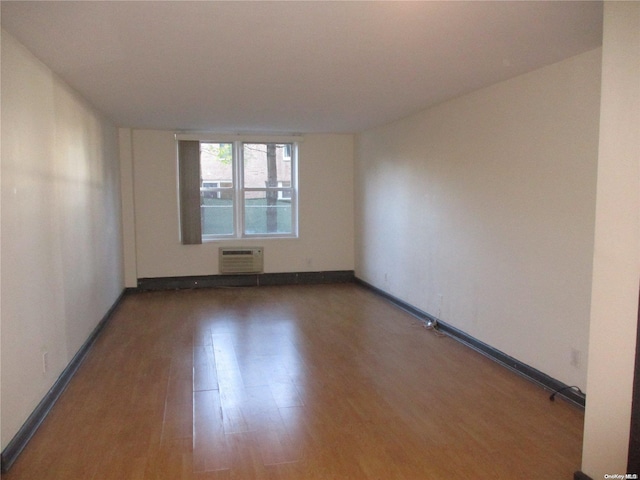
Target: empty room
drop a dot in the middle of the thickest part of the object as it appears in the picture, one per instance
(319, 240)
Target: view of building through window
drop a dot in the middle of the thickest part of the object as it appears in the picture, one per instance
(247, 187)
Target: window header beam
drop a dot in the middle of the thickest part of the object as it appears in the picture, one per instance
(230, 138)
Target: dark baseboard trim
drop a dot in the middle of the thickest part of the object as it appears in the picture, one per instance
(250, 280)
(30, 426)
(581, 476)
(505, 360)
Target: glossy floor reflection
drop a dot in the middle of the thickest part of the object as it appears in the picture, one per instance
(317, 382)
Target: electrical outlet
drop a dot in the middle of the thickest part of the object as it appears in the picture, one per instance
(576, 358)
(45, 362)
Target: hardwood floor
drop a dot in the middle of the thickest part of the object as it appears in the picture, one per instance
(301, 382)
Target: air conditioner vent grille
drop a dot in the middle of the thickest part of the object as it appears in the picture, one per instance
(240, 260)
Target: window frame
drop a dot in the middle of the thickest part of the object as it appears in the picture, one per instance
(239, 189)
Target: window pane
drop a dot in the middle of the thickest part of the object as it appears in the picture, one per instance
(216, 188)
(216, 162)
(217, 216)
(267, 212)
(267, 165)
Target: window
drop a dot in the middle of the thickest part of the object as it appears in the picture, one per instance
(244, 189)
(286, 152)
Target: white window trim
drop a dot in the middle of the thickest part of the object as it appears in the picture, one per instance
(237, 142)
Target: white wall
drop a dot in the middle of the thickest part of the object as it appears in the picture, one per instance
(616, 263)
(326, 230)
(60, 228)
(481, 211)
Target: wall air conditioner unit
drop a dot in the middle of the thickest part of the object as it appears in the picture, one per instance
(240, 260)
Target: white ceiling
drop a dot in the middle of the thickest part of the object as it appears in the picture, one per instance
(292, 67)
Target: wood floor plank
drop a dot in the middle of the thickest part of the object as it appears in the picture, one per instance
(289, 383)
(205, 376)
